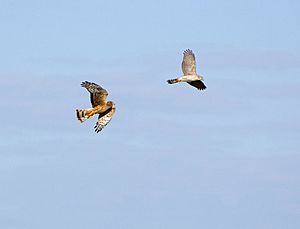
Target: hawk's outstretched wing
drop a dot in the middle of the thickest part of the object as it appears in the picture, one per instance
(197, 84)
(188, 63)
(104, 118)
(98, 94)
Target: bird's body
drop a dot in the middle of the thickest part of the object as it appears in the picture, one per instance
(100, 106)
(186, 78)
(190, 75)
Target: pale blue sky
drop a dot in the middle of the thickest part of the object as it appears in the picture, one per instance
(172, 157)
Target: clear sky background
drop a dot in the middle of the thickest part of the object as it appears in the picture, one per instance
(172, 157)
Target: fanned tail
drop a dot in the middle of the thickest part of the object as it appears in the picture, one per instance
(84, 114)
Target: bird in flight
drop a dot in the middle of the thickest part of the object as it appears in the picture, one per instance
(105, 109)
(189, 71)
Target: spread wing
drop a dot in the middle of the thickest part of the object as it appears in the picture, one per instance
(197, 84)
(98, 94)
(188, 63)
(104, 118)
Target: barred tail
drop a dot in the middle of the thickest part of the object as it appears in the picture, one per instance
(171, 81)
(84, 114)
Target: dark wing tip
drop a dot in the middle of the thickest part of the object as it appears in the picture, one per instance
(188, 51)
(198, 84)
(97, 130)
(202, 88)
(85, 83)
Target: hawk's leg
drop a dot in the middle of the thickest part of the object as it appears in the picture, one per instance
(91, 112)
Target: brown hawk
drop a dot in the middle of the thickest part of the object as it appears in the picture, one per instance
(105, 109)
(189, 71)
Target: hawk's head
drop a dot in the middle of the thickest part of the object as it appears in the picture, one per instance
(110, 104)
